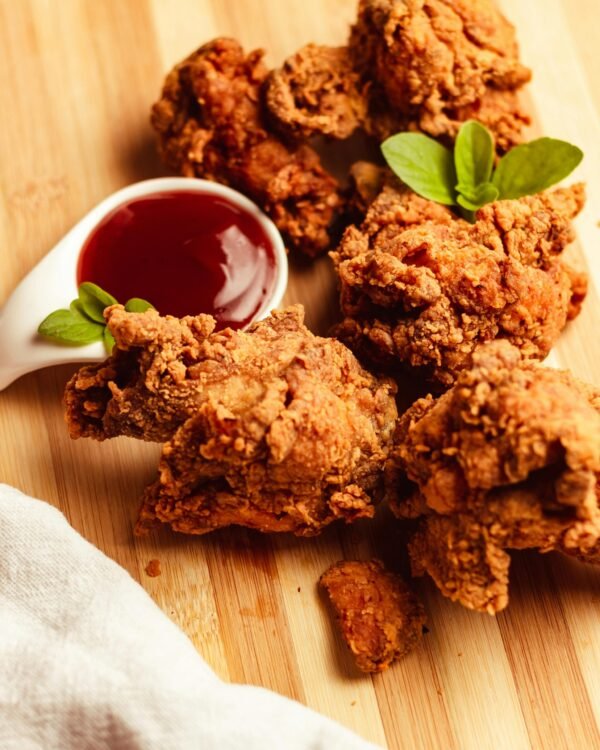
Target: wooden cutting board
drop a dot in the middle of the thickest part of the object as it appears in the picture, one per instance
(76, 82)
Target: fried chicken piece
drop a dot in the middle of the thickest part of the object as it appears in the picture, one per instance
(163, 369)
(317, 91)
(379, 617)
(509, 458)
(272, 428)
(386, 202)
(422, 288)
(306, 449)
(425, 65)
(156, 377)
(212, 123)
(438, 63)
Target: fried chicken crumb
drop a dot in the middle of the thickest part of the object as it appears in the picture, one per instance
(379, 617)
(153, 568)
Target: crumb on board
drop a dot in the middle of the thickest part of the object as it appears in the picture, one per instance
(153, 568)
(379, 617)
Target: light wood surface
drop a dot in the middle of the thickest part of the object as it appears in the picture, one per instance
(76, 81)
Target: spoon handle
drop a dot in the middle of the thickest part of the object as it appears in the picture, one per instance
(49, 286)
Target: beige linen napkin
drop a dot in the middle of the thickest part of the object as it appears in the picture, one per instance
(87, 660)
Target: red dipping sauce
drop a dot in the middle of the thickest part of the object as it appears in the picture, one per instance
(186, 253)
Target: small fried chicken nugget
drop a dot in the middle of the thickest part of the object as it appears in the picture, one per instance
(379, 618)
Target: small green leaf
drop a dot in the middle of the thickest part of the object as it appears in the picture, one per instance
(70, 327)
(486, 193)
(473, 158)
(468, 205)
(84, 321)
(135, 304)
(109, 340)
(480, 196)
(423, 164)
(535, 166)
(77, 308)
(93, 301)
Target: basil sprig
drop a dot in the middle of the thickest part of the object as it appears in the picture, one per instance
(466, 177)
(83, 323)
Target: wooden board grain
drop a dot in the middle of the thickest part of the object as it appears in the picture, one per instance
(75, 85)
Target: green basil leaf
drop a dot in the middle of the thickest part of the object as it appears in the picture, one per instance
(77, 308)
(478, 197)
(70, 327)
(135, 304)
(423, 164)
(465, 203)
(109, 340)
(535, 166)
(473, 157)
(93, 301)
(487, 193)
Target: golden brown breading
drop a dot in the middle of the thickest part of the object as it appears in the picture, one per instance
(317, 91)
(212, 123)
(422, 288)
(440, 62)
(411, 64)
(425, 65)
(308, 448)
(379, 617)
(508, 458)
(272, 428)
(152, 381)
(163, 369)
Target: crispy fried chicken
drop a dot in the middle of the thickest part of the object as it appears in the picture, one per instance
(317, 91)
(422, 288)
(272, 428)
(410, 64)
(438, 63)
(507, 458)
(156, 377)
(379, 618)
(212, 123)
(425, 65)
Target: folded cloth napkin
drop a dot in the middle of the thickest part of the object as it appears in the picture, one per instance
(87, 660)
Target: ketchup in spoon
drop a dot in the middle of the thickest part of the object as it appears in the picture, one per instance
(186, 253)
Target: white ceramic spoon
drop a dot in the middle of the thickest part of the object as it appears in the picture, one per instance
(52, 284)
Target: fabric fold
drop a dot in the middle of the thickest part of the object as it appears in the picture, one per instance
(88, 660)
